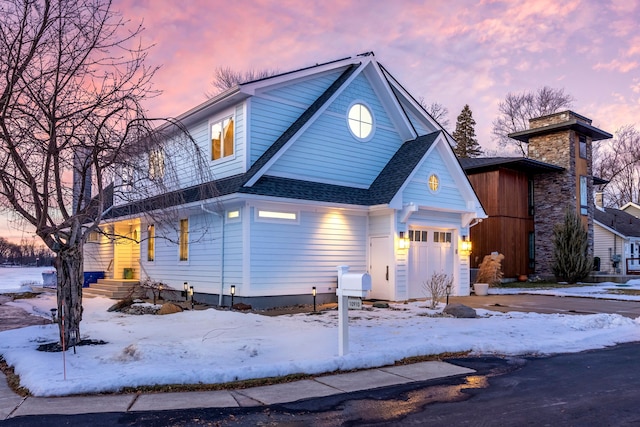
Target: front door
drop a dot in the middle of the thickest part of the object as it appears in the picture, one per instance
(379, 268)
(633, 263)
(430, 251)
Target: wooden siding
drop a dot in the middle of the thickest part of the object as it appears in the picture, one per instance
(291, 258)
(328, 152)
(504, 196)
(448, 197)
(202, 270)
(269, 119)
(273, 111)
(98, 255)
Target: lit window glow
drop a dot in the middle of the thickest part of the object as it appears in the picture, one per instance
(360, 121)
(277, 215)
(233, 214)
(434, 182)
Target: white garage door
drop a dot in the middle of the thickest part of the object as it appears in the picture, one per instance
(430, 251)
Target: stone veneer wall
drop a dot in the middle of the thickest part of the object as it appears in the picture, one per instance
(555, 192)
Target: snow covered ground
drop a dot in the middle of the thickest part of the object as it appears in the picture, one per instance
(215, 346)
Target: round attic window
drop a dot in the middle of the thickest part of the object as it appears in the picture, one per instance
(434, 182)
(360, 121)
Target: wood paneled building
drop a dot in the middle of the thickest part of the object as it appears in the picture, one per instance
(505, 187)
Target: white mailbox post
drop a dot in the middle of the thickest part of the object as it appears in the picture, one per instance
(349, 285)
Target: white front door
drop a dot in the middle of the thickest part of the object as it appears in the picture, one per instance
(430, 251)
(379, 268)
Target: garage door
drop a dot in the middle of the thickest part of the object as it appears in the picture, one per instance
(430, 251)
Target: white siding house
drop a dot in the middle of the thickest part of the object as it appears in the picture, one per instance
(334, 164)
(616, 238)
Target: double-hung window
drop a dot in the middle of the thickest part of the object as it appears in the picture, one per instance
(222, 138)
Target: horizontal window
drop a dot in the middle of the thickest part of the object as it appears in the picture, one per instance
(292, 216)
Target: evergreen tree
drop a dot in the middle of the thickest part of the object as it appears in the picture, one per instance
(465, 135)
(571, 249)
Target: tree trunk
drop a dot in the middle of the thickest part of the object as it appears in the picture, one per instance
(69, 267)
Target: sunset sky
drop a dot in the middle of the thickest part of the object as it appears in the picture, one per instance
(447, 51)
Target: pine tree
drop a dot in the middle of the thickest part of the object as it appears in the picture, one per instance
(571, 249)
(465, 135)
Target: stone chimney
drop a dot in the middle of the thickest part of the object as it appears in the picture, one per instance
(563, 139)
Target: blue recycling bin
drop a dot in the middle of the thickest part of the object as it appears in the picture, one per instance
(92, 277)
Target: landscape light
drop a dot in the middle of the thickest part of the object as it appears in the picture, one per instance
(314, 292)
(191, 293)
(233, 293)
(186, 291)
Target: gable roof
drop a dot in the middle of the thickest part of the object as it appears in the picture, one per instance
(618, 221)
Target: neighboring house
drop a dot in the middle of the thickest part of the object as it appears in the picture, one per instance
(616, 241)
(335, 164)
(632, 209)
(526, 197)
(505, 187)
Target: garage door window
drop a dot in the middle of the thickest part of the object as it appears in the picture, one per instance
(418, 236)
(441, 237)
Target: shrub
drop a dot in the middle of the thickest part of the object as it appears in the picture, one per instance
(490, 270)
(572, 262)
(436, 287)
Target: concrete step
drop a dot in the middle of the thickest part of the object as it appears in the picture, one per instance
(114, 288)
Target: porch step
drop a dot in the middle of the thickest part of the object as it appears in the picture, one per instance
(114, 288)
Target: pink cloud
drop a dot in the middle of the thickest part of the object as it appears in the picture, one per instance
(616, 65)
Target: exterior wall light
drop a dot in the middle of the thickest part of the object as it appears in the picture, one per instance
(403, 241)
(465, 246)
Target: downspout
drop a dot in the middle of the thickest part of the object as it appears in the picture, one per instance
(221, 250)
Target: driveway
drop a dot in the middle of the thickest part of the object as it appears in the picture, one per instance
(550, 304)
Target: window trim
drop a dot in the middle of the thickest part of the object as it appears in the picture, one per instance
(220, 121)
(349, 121)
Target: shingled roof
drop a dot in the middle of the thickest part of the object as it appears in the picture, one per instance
(617, 220)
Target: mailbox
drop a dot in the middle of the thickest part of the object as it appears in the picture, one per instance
(354, 285)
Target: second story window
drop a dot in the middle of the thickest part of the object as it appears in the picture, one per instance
(183, 240)
(583, 195)
(583, 146)
(222, 139)
(156, 163)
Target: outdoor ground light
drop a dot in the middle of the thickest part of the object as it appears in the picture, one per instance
(314, 293)
(186, 291)
(191, 294)
(160, 288)
(448, 290)
(233, 293)
(54, 311)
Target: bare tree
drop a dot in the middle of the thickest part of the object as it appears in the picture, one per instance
(73, 79)
(225, 78)
(618, 161)
(439, 112)
(517, 108)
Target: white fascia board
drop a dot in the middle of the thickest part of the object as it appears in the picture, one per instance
(417, 108)
(630, 205)
(303, 129)
(389, 101)
(286, 78)
(255, 198)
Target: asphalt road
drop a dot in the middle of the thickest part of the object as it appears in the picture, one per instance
(594, 388)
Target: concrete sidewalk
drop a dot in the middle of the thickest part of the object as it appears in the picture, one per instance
(12, 405)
